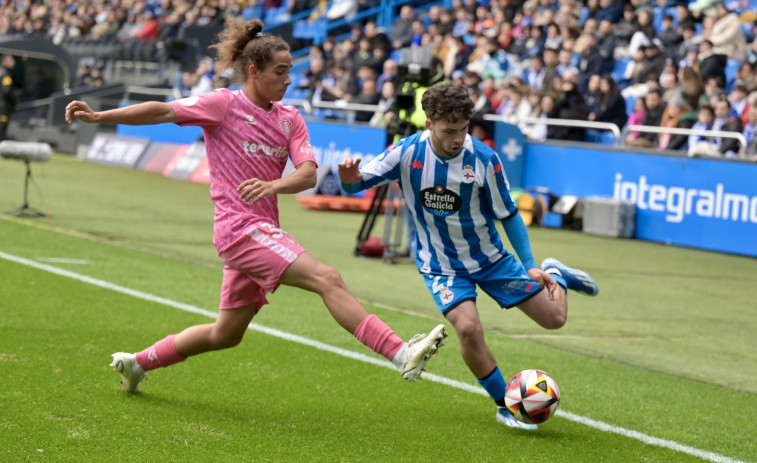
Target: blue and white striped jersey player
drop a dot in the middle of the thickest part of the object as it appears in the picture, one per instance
(456, 190)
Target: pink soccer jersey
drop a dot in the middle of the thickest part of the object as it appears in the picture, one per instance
(244, 141)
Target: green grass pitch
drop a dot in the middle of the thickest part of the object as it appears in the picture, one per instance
(661, 367)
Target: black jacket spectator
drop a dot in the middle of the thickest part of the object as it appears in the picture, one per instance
(570, 106)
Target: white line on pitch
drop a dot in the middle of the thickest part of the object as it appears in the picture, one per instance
(647, 439)
(63, 260)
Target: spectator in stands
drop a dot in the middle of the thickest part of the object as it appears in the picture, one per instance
(607, 42)
(566, 65)
(383, 115)
(342, 84)
(481, 105)
(683, 18)
(571, 106)
(388, 74)
(712, 90)
(711, 64)
(677, 114)
(705, 116)
(746, 76)
(446, 22)
(552, 38)
(376, 36)
(727, 36)
(652, 117)
(654, 61)
(364, 55)
(637, 116)
(592, 93)
(402, 28)
(608, 11)
(692, 86)
(644, 33)
(536, 74)
(669, 85)
(689, 43)
(669, 37)
(611, 106)
(542, 106)
(738, 100)
(750, 131)
(368, 95)
(726, 120)
(590, 60)
(312, 76)
(515, 106)
(626, 27)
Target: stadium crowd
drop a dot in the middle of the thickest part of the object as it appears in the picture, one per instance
(627, 62)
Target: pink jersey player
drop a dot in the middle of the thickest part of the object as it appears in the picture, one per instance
(249, 136)
(256, 141)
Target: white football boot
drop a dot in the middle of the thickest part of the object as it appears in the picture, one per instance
(131, 373)
(412, 358)
(505, 417)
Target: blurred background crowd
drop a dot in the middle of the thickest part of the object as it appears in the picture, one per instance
(626, 62)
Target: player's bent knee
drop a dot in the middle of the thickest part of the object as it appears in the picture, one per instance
(330, 278)
(555, 320)
(470, 333)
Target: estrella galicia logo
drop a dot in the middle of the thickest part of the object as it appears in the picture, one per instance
(440, 201)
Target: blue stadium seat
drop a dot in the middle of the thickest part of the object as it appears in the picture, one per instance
(731, 68)
(618, 69)
(584, 15)
(630, 101)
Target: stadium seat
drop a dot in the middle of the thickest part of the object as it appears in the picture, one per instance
(618, 70)
(630, 101)
(731, 68)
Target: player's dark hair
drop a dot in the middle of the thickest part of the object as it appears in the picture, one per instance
(242, 44)
(447, 101)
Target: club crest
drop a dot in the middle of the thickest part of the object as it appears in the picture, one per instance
(286, 127)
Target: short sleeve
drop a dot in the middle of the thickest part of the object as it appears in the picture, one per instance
(207, 110)
(300, 149)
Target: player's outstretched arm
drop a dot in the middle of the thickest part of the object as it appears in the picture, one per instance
(349, 171)
(147, 113)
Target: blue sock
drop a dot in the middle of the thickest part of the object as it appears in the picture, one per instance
(495, 385)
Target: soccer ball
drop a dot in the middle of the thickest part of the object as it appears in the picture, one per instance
(532, 396)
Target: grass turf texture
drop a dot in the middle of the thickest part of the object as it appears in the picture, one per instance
(664, 350)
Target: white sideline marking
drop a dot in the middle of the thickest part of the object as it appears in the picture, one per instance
(63, 260)
(647, 439)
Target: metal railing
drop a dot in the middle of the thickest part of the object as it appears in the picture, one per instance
(557, 122)
(677, 131)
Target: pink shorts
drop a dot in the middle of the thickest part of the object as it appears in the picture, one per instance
(254, 265)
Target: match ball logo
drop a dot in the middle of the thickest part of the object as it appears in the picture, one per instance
(286, 127)
(440, 201)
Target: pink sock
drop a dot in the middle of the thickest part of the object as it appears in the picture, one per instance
(161, 354)
(378, 336)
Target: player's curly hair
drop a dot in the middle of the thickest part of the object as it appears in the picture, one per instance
(242, 44)
(447, 101)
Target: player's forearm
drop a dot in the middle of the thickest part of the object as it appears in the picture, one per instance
(148, 113)
(301, 179)
(518, 236)
(352, 188)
